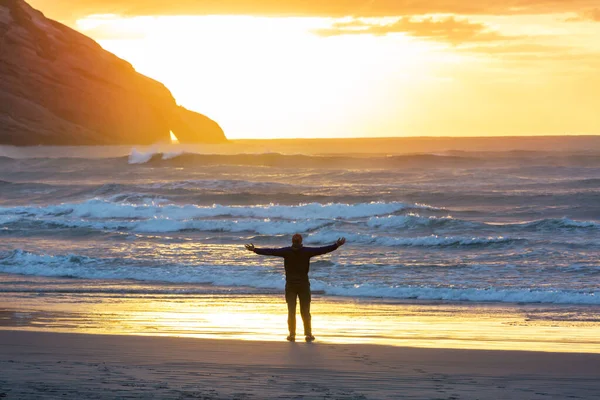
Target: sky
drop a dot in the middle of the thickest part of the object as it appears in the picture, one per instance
(351, 68)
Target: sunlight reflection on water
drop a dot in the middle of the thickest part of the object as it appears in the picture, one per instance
(263, 317)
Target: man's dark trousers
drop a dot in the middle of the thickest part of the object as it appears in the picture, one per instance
(302, 292)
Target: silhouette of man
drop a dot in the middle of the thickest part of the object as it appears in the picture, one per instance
(297, 264)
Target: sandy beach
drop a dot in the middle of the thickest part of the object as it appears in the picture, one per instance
(109, 345)
(38, 365)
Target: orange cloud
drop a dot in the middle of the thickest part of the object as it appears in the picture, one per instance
(449, 29)
(588, 15)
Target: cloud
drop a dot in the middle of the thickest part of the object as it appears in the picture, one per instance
(449, 29)
(587, 15)
(70, 10)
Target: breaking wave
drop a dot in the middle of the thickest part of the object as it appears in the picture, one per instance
(137, 157)
(359, 222)
(105, 209)
(76, 266)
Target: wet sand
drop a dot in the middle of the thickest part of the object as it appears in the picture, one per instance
(42, 365)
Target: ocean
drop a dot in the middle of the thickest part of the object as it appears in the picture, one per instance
(501, 226)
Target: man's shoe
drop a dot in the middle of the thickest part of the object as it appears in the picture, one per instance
(291, 338)
(309, 338)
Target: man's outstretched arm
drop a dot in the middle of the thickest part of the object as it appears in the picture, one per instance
(265, 252)
(317, 251)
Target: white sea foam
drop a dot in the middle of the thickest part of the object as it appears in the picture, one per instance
(153, 215)
(103, 209)
(138, 157)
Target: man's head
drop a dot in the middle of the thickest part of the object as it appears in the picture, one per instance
(297, 240)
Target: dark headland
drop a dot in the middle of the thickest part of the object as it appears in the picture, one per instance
(59, 87)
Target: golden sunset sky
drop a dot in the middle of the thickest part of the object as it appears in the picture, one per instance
(350, 68)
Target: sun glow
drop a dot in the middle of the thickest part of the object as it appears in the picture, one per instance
(444, 75)
(174, 139)
(269, 77)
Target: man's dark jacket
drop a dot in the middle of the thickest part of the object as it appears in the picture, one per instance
(297, 260)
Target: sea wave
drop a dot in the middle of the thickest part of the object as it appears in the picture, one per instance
(462, 160)
(315, 228)
(106, 209)
(137, 157)
(412, 220)
(229, 185)
(518, 295)
(155, 214)
(293, 160)
(328, 236)
(77, 266)
(551, 224)
(394, 159)
(164, 225)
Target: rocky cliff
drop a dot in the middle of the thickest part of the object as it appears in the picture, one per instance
(59, 87)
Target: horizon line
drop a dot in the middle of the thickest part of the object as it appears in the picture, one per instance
(422, 137)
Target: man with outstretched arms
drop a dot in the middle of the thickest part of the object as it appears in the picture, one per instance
(297, 264)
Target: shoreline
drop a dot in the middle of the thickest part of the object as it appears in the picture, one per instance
(336, 320)
(63, 365)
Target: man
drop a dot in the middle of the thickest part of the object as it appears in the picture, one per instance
(297, 263)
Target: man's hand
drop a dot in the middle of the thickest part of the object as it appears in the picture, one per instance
(249, 247)
(340, 241)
